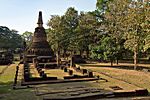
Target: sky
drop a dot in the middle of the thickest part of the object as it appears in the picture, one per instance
(22, 15)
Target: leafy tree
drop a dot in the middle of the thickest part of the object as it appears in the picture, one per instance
(110, 32)
(128, 19)
(102, 6)
(70, 23)
(136, 26)
(113, 22)
(27, 36)
(9, 39)
(106, 49)
(146, 26)
(86, 31)
(62, 30)
(55, 35)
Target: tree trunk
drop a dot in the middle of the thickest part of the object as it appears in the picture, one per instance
(81, 52)
(87, 52)
(64, 53)
(135, 59)
(111, 62)
(117, 61)
(58, 57)
(73, 52)
(58, 54)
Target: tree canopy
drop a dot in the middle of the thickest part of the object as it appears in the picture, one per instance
(9, 39)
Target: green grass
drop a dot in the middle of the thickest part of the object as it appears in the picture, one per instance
(7, 78)
(138, 78)
(8, 74)
(2, 67)
(6, 87)
(56, 73)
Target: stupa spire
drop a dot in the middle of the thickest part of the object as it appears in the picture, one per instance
(39, 45)
(40, 21)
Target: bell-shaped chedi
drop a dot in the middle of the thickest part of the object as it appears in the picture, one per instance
(39, 45)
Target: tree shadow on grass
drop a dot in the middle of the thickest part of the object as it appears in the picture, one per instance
(117, 66)
(8, 93)
(6, 87)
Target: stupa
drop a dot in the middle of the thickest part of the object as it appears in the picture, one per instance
(39, 45)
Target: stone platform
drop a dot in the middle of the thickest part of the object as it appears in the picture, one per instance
(58, 81)
(84, 93)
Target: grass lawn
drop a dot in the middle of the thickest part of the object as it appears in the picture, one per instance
(60, 73)
(7, 78)
(141, 79)
(6, 90)
(56, 73)
(8, 74)
(2, 67)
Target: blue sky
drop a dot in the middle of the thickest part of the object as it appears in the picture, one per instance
(22, 15)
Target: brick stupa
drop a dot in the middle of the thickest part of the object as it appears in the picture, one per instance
(39, 45)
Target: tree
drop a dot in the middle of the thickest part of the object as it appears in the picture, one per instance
(106, 49)
(102, 6)
(27, 36)
(70, 23)
(136, 26)
(110, 30)
(55, 34)
(113, 22)
(146, 26)
(9, 39)
(61, 33)
(86, 32)
(128, 19)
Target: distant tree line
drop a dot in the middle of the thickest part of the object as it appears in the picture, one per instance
(9, 39)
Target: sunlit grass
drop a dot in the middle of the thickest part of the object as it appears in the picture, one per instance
(2, 67)
(9, 74)
(136, 77)
(7, 78)
(6, 87)
(141, 79)
(56, 73)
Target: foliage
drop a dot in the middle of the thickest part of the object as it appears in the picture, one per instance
(62, 30)
(9, 39)
(102, 6)
(107, 49)
(113, 27)
(71, 31)
(70, 23)
(86, 31)
(55, 31)
(136, 27)
(146, 26)
(27, 36)
(126, 22)
(110, 45)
